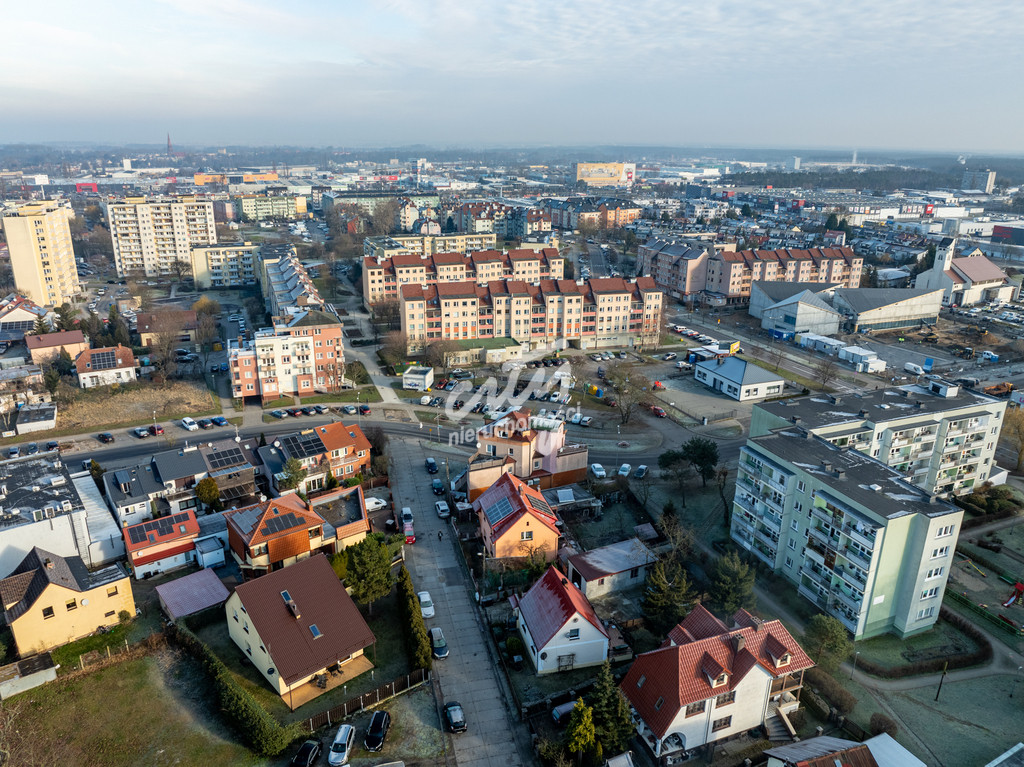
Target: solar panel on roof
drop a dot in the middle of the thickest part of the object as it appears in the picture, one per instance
(498, 511)
(104, 360)
(538, 504)
(303, 445)
(279, 523)
(161, 527)
(231, 456)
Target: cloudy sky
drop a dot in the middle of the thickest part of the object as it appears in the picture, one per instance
(790, 73)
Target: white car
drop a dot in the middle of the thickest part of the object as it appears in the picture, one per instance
(342, 746)
(624, 470)
(598, 470)
(376, 504)
(442, 509)
(426, 604)
(188, 424)
(586, 420)
(576, 418)
(406, 515)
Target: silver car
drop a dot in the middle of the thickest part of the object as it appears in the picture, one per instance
(342, 746)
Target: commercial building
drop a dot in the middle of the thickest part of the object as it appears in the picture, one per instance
(384, 277)
(42, 257)
(389, 246)
(852, 534)
(547, 314)
(804, 312)
(302, 353)
(105, 366)
(739, 379)
(940, 436)
(224, 266)
(600, 174)
(731, 273)
(256, 207)
(887, 308)
(155, 237)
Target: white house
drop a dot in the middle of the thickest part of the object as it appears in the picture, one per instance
(104, 367)
(738, 379)
(611, 568)
(559, 626)
(709, 682)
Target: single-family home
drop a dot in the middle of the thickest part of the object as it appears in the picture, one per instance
(615, 567)
(298, 625)
(738, 379)
(48, 346)
(274, 534)
(183, 323)
(559, 627)
(708, 682)
(162, 544)
(516, 521)
(105, 366)
(49, 600)
(334, 448)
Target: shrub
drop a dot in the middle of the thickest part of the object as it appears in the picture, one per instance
(514, 645)
(881, 723)
(124, 616)
(798, 719)
(837, 696)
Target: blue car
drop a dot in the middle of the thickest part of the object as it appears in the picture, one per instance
(223, 367)
(219, 420)
(278, 414)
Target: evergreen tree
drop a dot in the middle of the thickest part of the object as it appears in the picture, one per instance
(830, 639)
(612, 723)
(702, 453)
(579, 735)
(732, 583)
(370, 570)
(41, 327)
(51, 380)
(207, 493)
(293, 474)
(263, 440)
(668, 597)
(64, 364)
(65, 317)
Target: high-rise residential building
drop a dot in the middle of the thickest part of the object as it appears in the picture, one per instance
(852, 534)
(256, 207)
(226, 265)
(985, 180)
(940, 436)
(151, 237)
(42, 257)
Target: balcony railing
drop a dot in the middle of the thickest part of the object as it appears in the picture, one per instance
(867, 540)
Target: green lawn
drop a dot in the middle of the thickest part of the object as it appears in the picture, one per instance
(279, 403)
(152, 710)
(944, 640)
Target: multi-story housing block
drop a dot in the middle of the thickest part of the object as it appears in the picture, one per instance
(729, 273)
(601, 212)
(852, 534)
(300, 354)
(150, 235)
(548, 314)
(389, 246)
(223, 266)
(257, 207)
(384, 277)
(939, 436)
(42, 256)
(680, 268)
(284, 280)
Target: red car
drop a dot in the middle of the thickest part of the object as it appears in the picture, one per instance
(364, 409)
(658, 411)
(156, 429)
(611, 403)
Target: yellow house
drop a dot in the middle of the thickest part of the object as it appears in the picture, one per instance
(516, 521)
(51, 600)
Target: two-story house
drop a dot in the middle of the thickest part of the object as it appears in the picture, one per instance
(273, 534)
(105, 367)
(335, 448)
(162, 544)
(516, 521)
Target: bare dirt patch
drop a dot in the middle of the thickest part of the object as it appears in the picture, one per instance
(109, 407)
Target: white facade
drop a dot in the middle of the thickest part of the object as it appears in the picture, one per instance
(41, 252)
(731, 379)
(577, 637)
(93, 378)
(149, 236)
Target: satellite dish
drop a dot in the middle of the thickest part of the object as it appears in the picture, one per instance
(85, 603)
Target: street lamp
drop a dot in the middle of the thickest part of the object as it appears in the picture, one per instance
(855, 656)
(1015, 680)
(154, 420)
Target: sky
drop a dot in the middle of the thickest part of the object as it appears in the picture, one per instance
(892, 74)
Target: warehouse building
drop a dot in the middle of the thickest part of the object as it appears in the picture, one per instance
(887, 308)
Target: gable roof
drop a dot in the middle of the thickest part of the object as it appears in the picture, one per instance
(805, 297)
(681, 674)
(181, 527)
(51, 340)
(551, 603)
(105, 358)
(978, 269)
(40, 569)
(866, 299)
(271, 519)
(508, 500)
(321, 600)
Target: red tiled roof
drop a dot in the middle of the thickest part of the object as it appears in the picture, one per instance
(551, 603)
(978, 269)
(698, 624)
(518, 493)
(250, 521)
(145, 559)
(448, 258)
(337, 435)
(408, 261)
(858, 756)
(123, 357)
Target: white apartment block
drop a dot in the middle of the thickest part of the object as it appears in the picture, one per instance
(853, 536)
(389, 246)
(150, 235)
(940, 436)
(42, 257)
(260, 207)
(221, 266)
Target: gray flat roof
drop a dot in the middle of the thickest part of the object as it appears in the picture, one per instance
(739, 371)
(866, 299)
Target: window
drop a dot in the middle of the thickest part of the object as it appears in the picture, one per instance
(930, 593)
(800, 486)
(635, 572)
(935, 572)
(721, 724)
(659, 703)
(574, 634)
(725, 699)
(47, 612)
(315, 631)
(789, 561)
(940, 552)
(71, 604)
(526, 535)
(109, 615)
(925, 613)
(235, 615)
(942, 532)
(791, 543)
(722, 679)
(640, 681)
(112, 591)
(794, 525)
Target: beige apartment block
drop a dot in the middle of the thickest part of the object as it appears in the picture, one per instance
(151, 236)
(42, 257)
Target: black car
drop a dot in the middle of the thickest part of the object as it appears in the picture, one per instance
(205, 423)
(309, 410)
(52, 445)
(105, 437)
(454, 717)
(431, 465)
(32, 448)
(377, 731)
(308, 753)
(437, 486)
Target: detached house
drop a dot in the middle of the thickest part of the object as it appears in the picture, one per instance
(559, 626)
(274, 534)
(332, 448)
(708, 682)
(516, 521)
(162, 544)
(105, 367)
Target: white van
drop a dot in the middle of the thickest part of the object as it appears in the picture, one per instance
(914, 369)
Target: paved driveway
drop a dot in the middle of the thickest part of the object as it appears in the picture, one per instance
(468, 675)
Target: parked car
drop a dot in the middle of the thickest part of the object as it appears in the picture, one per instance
(426, 604)
(670, 356)
(31, 449)
(349, 409)
(342, 746)
(641, 472)
(205, 423)
(375, 504)
(461, 375)
(659, 411)
(409, 533)
(625, 469)
(561, 713)
(321, 409)
(188, 424)
(14, 451)
(431, 465)
(454, 717)
(307, 754)
(598, 470)
(437, 486)
(364, 410)
(438, 645)
(576, 418)
(219, 420)
(141, 432)
(377, 731)
(586, 420)
(105, 437)
(294, 412)
(308, 410)
(442, 510)
(52, 445)
(279, 414)
(406, 515)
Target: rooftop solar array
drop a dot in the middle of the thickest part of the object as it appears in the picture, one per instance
(104, 360)
(539, 504)
(303, 445)
(162, 526)
(231, 456)
(498, 511)
(277, 524)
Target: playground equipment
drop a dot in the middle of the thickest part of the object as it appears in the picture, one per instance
(968, 561)
(1016, 596)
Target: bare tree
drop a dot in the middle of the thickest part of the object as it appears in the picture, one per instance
(181, 269)
(384, 216)
(395, 347)
(207, 333)
(775, 354)
(630, 387)
(440, 353)
(167, 329)
(143, 293)
(388, 313)
(826, 371)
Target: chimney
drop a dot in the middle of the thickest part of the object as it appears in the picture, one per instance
(826, 466)
(840, 474)
(48, 563)
(294, 608)
(795, 419)
(738, 642)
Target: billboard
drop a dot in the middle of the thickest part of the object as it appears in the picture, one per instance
(605, 173)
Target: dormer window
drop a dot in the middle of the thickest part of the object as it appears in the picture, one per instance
(723, 678)
(784, 660)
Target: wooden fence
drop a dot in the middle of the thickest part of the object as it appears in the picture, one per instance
(371, 698)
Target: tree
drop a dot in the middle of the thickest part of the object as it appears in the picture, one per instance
(881, 723)
(630, 386)
(439, 353)
(1012, 433)
(97, 472)
(702, 454)
(669, 595)
(181, 269)
(293, 474)
(613, 725)
(830, 637)
(377, 438)
(167, 329)
(370, 571)
(143, 293)
(51, 379)
(208, 494)
(580, 735)
(775, 354)
(825, 372)
(732, 583)
(746, 211)
(673, 464)
(383, 219)
(394, 348)
(65, 317)
(206, 305)
(64, 364)
(832, 222)
(207, 333)
(41, 327)
(331, 482)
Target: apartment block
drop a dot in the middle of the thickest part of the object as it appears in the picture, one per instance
(389, 246)
(852, 534)
(302, 353)
(601, 212)
(619, 174)
(42, 257)
(256, 207)
(547, 314)
(383, 277)
(680, 268)
(939, 436)
(284, 280)
(151, 235)
(503, 220)
(729, 273)
(223, 266)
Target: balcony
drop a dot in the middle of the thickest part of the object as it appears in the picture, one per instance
(856, 557)
(823, 538)
(842, 597)
(787, 683)
(817, 578)
(866, 539)
(812, 594)
(851, 577)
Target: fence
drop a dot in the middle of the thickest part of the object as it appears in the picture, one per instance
(371, 698)
(981, 612)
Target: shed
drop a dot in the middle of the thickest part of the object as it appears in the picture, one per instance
(209, 552)
(418, 378)
(191, 594)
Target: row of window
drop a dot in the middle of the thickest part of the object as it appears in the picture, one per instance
(72, 604)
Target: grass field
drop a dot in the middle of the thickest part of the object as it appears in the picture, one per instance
(153, 710)
(944, 640)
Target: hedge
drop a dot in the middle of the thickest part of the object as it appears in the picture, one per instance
(881, 723)
(834, 693)
(240, 710)
(417, 643)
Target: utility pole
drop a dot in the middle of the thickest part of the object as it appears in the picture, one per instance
(941, 678)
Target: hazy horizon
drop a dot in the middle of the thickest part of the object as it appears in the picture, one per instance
(876, 76)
